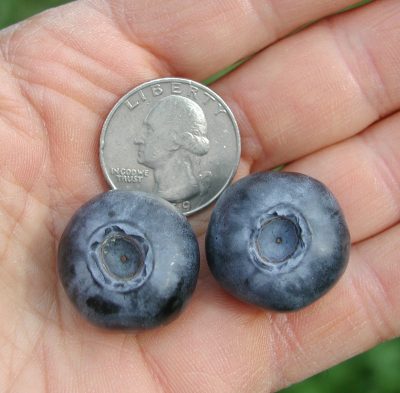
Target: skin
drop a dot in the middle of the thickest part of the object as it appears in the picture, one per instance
(325, 99)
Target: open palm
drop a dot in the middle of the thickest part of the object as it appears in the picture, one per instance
(323, 100)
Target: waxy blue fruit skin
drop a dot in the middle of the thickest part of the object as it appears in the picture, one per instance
(128, 260)
(277, 240)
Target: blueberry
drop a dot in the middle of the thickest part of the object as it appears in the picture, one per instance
(128, 260)
(277, 240)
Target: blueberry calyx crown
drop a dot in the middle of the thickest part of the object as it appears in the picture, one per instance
(278, 238)
(120, 258)
(122, 255)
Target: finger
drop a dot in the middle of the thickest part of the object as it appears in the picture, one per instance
(317, 87)
(192, 39)
(204, 37)
(362, 173)
(112, 45)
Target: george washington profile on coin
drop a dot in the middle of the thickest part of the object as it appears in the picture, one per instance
(173, 137)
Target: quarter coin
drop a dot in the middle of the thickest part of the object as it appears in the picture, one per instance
(172, 137)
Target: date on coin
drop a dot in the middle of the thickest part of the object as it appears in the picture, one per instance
(172, 137)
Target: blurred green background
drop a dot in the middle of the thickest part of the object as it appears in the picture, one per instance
(377, 371)
(12, 11)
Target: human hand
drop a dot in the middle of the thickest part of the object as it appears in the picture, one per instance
(324, 100)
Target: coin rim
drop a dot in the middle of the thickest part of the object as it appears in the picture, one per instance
(163, 80)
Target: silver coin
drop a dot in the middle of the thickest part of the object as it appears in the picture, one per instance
(172, 137)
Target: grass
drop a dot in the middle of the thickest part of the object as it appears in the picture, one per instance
(376, 371)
